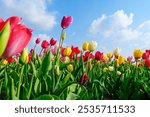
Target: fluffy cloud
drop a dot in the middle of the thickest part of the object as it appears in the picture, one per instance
(33, 11)
(116, 30)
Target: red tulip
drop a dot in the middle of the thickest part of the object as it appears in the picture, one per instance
(66, 21)
(83, 79)
(10, 59)
(45, 44)
(98, 56)
(37, 41)
(75, 51)
(19, 36)
(148, 51)
(53, 41)
(87, 55)
(147, 63)
(145, 55)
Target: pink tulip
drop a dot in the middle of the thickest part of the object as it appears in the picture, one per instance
(54, 49)
(129, 58)
(45, 44)
(53, 41)
(66, 21)
(37, 41)
(19, 37)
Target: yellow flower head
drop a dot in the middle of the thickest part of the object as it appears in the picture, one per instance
(121, 60)
(5, 62)
(104, 57)
(67, 51)
(105, 69)
(70, 68)
(85, 46)
(138, 54)
(110, 55)
(92, 46)
(24, 58)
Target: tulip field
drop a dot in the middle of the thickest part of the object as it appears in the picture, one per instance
(59, 72)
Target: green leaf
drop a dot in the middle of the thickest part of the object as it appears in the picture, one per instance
(4, 36)
(13, 92)
(72, 96)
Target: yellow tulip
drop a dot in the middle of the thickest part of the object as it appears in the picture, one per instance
(121, 60)
(24, 57)
(110, 55)
(85, 46)
(138, 54)
(67, 51)
(104, 57)
(5, 62)
(92, 46)
(70, 68)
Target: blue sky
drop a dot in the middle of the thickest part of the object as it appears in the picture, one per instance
(112, 23)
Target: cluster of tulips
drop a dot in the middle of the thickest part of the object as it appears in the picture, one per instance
(58, 72)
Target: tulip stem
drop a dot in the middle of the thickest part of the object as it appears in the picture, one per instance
(41, 52)
(20, 82)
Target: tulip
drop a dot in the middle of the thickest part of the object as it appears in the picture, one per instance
(98, 56)
(66, 21)
(83, 79)
(147, 63)
(75, 51)
(105, 69)
(137, 54)
(24, 57)
(37, 41)
(53, 41)
(121, 60)
(92, 46)
(85, 46)
(45, 44)
(14, 36)
(129, 58)
(117, 52)
(57, 70)
(70, 68)
(10, 59)
(145, 55)
(110, 55)
(118, 73)
(87, 55)
(67, 51)
(5, 62)
(104, 58)
(54, 49)
(111, 68)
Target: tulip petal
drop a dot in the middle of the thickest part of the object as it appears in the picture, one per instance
(4, 36)
(19, 38)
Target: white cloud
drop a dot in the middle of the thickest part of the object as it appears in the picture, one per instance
(34, 11)
(116, 30)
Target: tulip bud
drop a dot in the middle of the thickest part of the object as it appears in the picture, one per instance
(85, 46)
(70, 68)
(83, 79)
(63, 35)
(118, 73)
(66, 21)
(24, 57)
(67, 51)
(105, 69)
(37, 41)
(92, 46)
(111, 68)
(57, 70)
(45, 44)
(53, 41)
